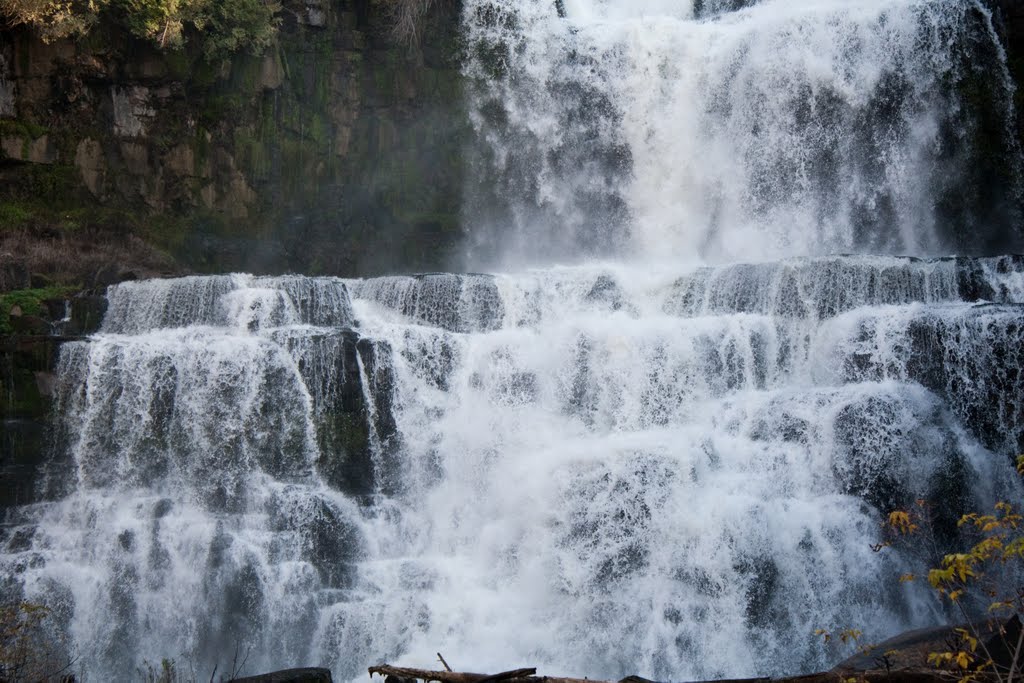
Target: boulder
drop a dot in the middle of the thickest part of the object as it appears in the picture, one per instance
(910, 649)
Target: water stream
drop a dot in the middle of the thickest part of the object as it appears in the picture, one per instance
(657, 440)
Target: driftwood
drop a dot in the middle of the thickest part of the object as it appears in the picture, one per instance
(396, 674)
(402, 674)
(902, 659)
(450, 676)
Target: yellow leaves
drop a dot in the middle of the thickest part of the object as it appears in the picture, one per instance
(967, 638)
(901, 521)
(961, 577)
(938, 577)
(958, 568)
(986, 548)
(1020, 464)
(850, 635)
(959, 565)
(1005, 519)
(847, 635)
(959, 659)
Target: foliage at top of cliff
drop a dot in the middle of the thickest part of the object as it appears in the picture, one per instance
(218, 26)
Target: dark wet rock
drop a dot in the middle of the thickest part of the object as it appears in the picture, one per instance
(87, 312)
(606, 291)
(113, 274)
(859, 465)
(289, 676)
(330, 369)
(21, 539)
(762, 582)
(453, 302)
(162, 508)
(974, 360)
(31, 325)
(910, 649)
(972, 282)
(433, 358)
(328, 540)
(14, 274)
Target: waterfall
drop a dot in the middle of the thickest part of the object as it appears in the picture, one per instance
(595, 469)
(659, 440)
(679, 129)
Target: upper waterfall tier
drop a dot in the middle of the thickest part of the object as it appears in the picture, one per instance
(732, 130)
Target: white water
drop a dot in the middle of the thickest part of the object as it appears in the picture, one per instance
(791, 127)
(660, 465)
(599, 471)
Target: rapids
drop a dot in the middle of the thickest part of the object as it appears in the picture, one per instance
(723, 335)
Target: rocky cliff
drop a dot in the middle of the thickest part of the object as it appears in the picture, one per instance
(335, 151)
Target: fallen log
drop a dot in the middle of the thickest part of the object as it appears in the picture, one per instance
(450, 676)
(902, 659)
(516, 676)
(398, 674)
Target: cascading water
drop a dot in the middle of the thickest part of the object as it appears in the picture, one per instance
(786, 128)
(673, 468)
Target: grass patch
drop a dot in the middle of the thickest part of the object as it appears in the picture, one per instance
(14, 215)
(21, 129)
(30, 301)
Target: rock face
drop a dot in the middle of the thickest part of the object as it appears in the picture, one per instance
(28, 361)
(336, 151)
(1008, 17)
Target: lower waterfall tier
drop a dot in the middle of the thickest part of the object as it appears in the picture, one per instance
(602, 470)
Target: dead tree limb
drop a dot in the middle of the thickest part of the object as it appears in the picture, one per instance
(908, 675)
(452, 676)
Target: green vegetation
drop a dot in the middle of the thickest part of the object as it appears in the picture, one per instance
(221, 27)
(218, 27)
(13, 215)
(28, 651)
(21, 129)
(29, 301)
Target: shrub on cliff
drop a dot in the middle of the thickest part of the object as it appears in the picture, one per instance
(983, 585)
(220, 26)
(407, 18)
(28, 650)
(53, 19)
